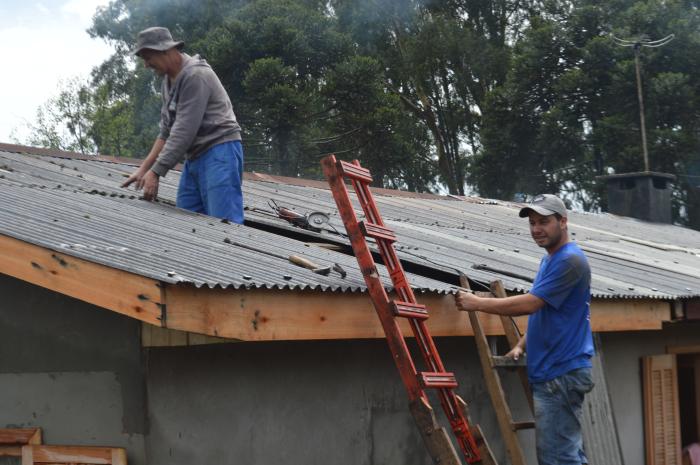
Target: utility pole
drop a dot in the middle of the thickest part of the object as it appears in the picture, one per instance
(637, 44)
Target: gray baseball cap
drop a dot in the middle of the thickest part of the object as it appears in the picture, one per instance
(544, 204)
(155, 38)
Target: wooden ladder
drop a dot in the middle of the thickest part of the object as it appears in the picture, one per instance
(491, 363)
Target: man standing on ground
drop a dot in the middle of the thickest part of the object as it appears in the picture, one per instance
(197, 124)
(559, 340)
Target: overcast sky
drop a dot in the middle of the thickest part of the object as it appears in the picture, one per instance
(42, 42)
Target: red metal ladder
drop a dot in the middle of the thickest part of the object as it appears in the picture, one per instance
(470, 440)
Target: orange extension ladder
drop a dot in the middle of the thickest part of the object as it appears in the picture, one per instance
(470, 439)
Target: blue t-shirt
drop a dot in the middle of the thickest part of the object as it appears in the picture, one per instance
(559, 334)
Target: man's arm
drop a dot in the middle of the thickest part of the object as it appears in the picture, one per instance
(145, 178)
(509, 306)
(192, 104)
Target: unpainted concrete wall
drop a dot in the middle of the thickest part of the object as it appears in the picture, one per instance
(78, 372)
(73, 369)
(323, 402)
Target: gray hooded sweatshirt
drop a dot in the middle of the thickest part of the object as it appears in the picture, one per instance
(196, 115)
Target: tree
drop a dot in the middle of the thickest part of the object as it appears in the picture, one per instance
(441, 59)
(568, 109)
(63, 122)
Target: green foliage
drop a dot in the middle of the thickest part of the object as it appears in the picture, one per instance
(568, 109)
(64, 121)
(501, 97)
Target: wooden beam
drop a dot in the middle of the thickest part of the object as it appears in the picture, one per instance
(122, 292)
(12, 440)
(155, 336)
(264, 315)
(676, 349)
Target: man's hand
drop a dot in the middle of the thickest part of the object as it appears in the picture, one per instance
(515, 352)
(136, 177)
(466, 301)
(150, 185)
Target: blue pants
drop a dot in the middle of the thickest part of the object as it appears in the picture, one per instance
(558, 417)
(211, 183)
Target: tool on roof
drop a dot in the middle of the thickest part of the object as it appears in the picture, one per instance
(313, 221)
(296, 259)
(416, 382)
(308, 264)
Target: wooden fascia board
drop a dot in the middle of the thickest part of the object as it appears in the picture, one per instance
(122, 292)
(262, 314)
(265, 315)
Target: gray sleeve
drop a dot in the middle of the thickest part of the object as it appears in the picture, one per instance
(192, 103)
(164, 128)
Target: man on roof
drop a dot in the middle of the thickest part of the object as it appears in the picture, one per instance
(558, 339)
(197, 125)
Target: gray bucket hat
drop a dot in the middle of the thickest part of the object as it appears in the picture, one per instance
(155, 38)
(544, 204)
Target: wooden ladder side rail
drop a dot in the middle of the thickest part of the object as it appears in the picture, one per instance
(12, 440)
(513, 336)
(504, 416)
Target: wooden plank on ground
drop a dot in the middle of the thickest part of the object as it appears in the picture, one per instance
(73, 455)
(106, 287)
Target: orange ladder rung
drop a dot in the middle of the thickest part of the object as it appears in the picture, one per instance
(409, 310)
(377, 232)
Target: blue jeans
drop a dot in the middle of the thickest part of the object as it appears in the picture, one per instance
(558, 416)
(211, 183)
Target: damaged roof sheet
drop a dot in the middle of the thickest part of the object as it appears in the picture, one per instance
(482, 238)
(487, 241)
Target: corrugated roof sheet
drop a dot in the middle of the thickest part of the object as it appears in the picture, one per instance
(76, 207)
(483, 238)
(487, 240)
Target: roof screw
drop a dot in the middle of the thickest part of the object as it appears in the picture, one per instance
(247, 277)
(287, 277)
(171, 273)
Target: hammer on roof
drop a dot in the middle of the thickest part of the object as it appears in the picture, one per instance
(296, 259)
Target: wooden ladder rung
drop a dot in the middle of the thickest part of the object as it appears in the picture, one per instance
(354, 172)
(501, 361)
(518, 425)
(409, 310)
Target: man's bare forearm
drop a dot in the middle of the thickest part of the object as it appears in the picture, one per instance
(152, 156)
(509, 306)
